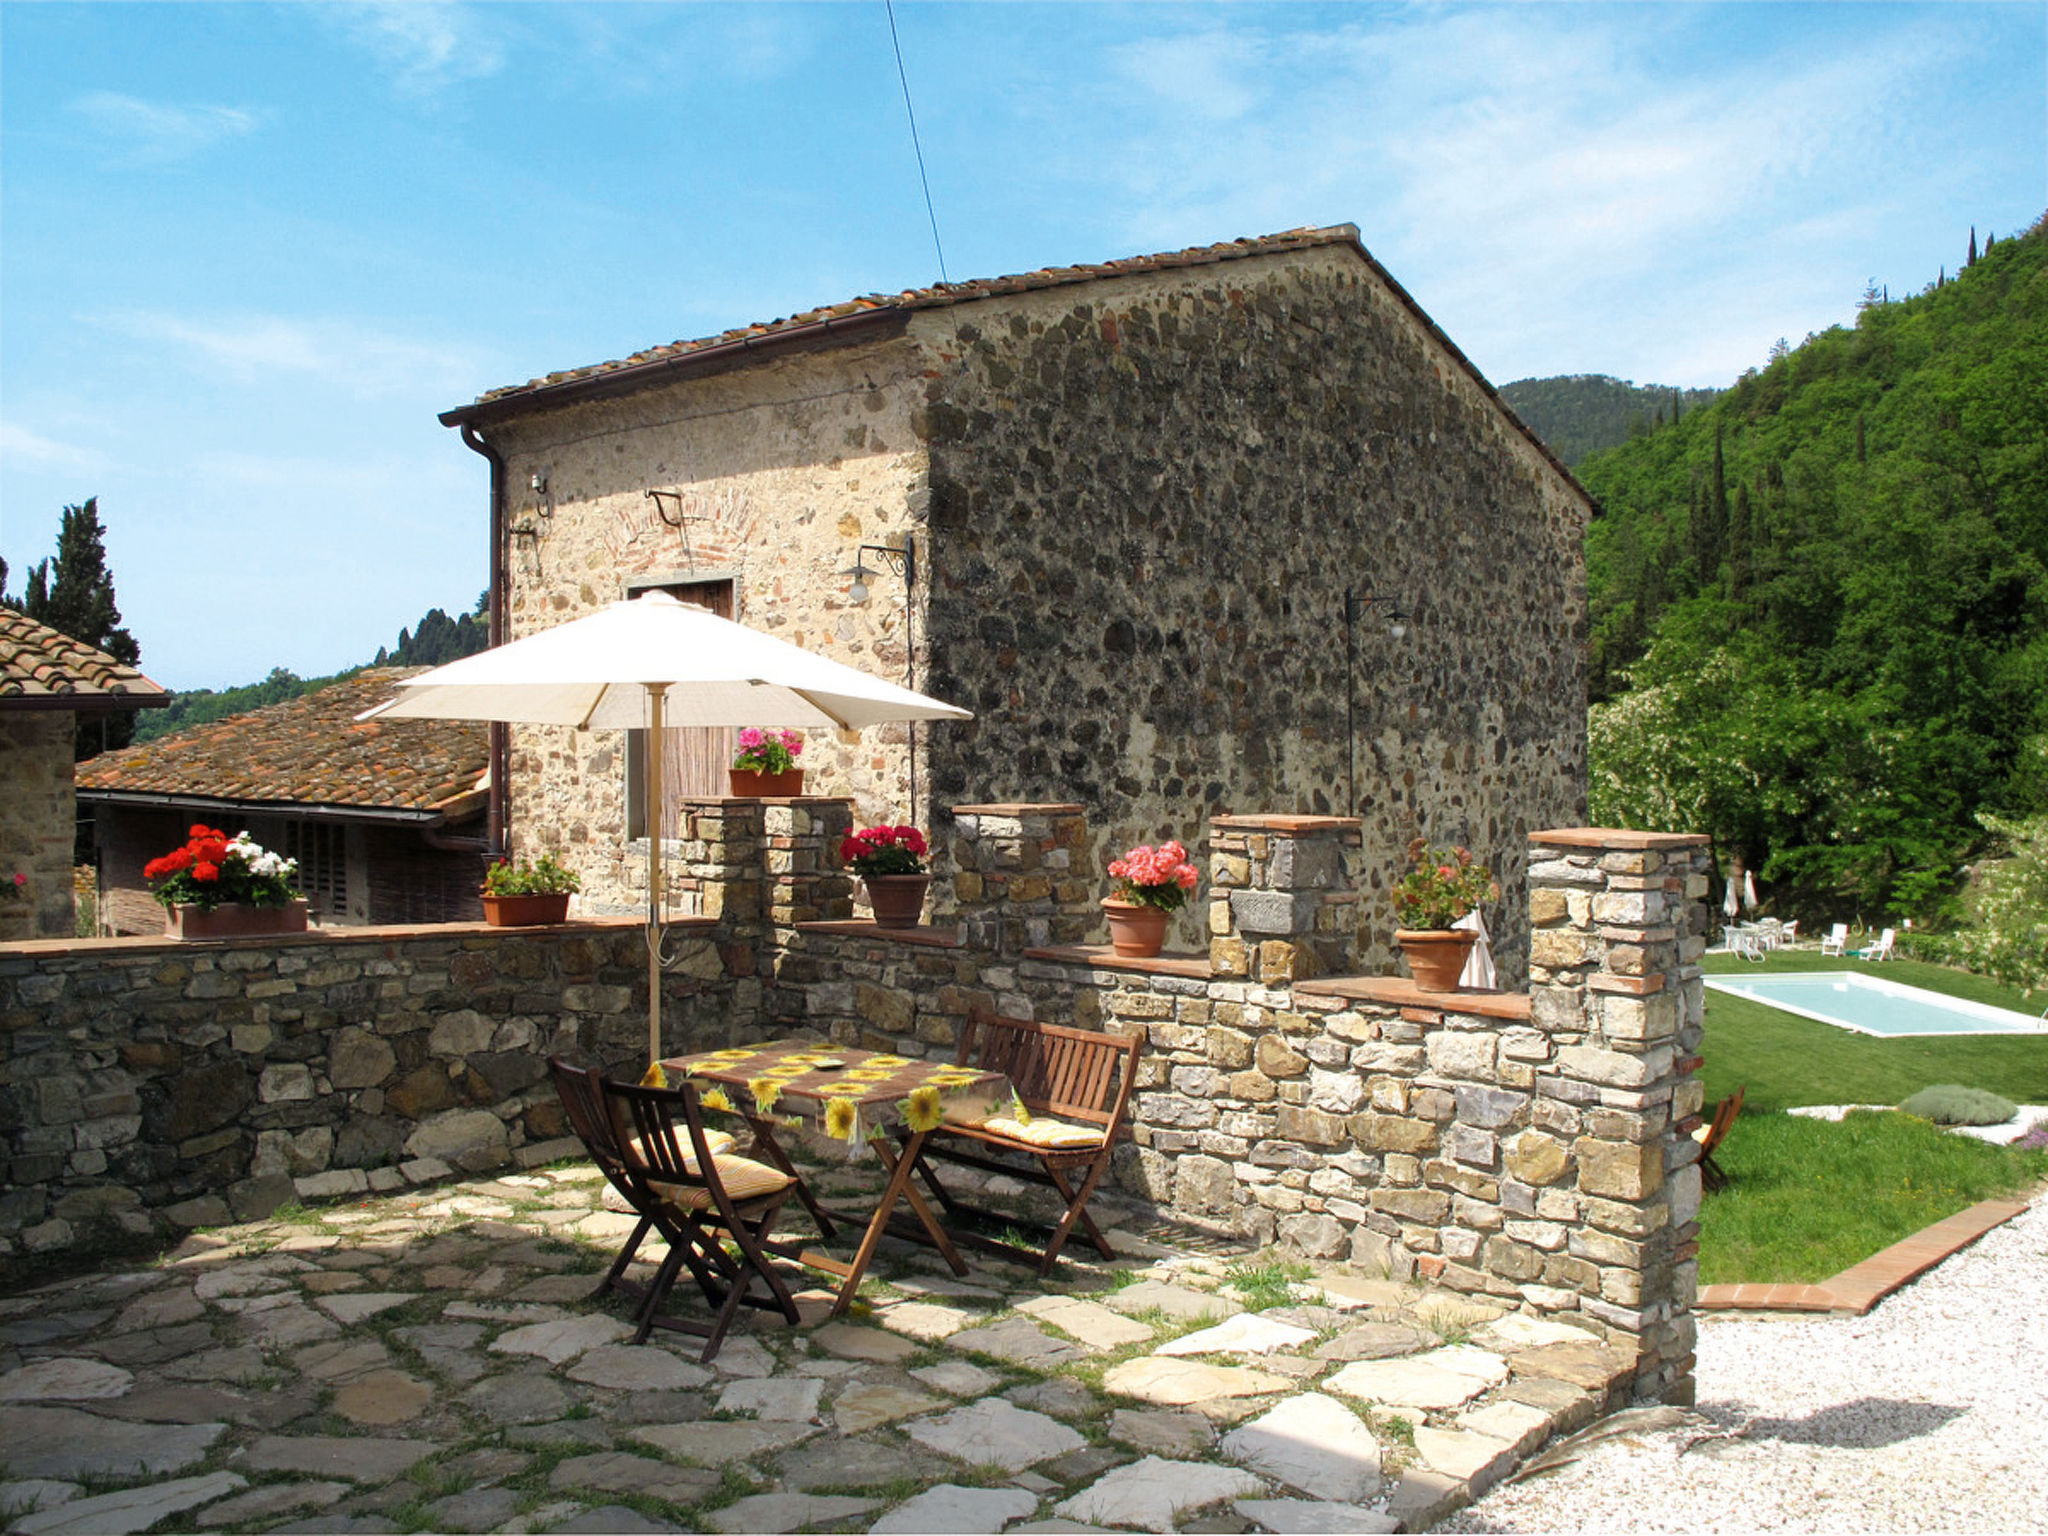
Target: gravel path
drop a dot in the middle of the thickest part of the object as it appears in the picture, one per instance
(1929, 1414)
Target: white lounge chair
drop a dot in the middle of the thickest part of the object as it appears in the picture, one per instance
(1747, 942)
(1837, 941)
(1882, 949)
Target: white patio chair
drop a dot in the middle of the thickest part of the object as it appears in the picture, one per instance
(1837, 941)
(1788, 935)
(1882, 949)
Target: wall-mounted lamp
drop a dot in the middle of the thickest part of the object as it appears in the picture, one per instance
(902, 561)
(1355, 606)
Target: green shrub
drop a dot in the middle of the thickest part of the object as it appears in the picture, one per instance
(1951, 1104)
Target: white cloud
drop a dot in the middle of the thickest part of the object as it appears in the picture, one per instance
(151, 132)
(1536, 175)
(257, 347)
(425, 45)
(22, 446)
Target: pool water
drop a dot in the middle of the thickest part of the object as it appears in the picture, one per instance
(1871, 1005)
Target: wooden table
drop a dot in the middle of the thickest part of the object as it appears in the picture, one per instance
(852, 1096)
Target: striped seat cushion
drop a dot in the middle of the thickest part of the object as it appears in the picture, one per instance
(1044, 1131)
(743, 1178)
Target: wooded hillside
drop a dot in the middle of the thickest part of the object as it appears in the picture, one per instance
(1581, 413)
(1820, 624)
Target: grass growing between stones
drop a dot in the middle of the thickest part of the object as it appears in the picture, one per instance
(1808, 1199)
(1785, 1060)
(1268, 1284)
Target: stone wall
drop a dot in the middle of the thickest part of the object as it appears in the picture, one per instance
(1249, 440)
(147, 1085)
(37, 823)
(783, 470)
(1147, 500)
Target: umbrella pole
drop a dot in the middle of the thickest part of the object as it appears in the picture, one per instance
(654, 810)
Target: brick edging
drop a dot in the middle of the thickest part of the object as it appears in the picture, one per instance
(1862, 1286)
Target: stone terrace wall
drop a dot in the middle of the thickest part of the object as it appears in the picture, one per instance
(147, 1084)
(37, 816)
(1530, 1147)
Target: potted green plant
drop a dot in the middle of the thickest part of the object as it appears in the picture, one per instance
(1151, 885)
(529, 893)
(890, 860)
(765, 764)
(221, 887)
(1441, 886)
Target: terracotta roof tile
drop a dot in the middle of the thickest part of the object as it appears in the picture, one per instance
(310, 751)
(40, 666)
(940, 295)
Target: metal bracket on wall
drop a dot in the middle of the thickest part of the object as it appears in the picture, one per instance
(680, 521)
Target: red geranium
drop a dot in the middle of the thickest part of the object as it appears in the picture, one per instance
(1155, 877)
(212, 868)
(876, 851)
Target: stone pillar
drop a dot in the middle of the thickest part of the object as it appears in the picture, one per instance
(1283, 897)
(806, 882)
(1014, 883)
(717, 856)
(38, 818)
(1618, 924)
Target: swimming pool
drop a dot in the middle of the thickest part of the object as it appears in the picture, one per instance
(1871, 1005)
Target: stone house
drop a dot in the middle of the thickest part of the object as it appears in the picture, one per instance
(48, 680)
(1149, 519)
(384, 816)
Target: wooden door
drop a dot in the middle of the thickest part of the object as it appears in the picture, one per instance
(694, 759)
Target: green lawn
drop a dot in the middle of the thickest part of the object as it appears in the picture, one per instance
(1807, 1199)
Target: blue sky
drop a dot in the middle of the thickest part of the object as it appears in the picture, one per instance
(248, 251)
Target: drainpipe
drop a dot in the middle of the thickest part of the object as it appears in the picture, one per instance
(500, 799)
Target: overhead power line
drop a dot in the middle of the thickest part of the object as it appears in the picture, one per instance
(922, 180)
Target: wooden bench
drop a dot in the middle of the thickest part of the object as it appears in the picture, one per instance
(1076, 1085)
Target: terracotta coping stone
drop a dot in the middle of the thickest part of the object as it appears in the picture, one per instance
(383, 934)
(1288, 823)
(763, 800)
(1018, 808)
(1613, 837)
(1101, 957)
(1400, 992)
(930, 938)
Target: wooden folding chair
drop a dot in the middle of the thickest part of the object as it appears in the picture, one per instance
(717, 1211)
(1076, 1086)
(1710, 1136)
(582, 1093)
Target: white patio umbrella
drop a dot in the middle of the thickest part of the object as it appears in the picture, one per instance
(1748, 891)
(1731, 901)
(650, 663)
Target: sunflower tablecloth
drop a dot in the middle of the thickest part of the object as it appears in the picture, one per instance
(847, 1094)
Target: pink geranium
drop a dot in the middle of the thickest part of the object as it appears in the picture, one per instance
(876, 851)
(1155, 877)
(767, 751)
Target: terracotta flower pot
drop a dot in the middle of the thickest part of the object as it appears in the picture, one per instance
(1136, 930)
(1435, 956)
(526, 911)
(232, 920)
(747, 784)
(898, 900)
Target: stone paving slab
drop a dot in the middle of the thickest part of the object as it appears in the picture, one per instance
(420, 1351)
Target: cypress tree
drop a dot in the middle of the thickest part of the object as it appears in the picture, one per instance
(1973, 246)
(74, 595)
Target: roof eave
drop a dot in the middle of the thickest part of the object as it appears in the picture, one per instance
(884, 322)
(84, 703)
(400, 816)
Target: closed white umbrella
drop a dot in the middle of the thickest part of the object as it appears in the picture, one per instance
(1731, 901)
(1748, 891)
(1479, 971)
(647, 664)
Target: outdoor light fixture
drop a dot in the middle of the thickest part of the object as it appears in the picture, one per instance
(1355, 606)
(902, 561)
